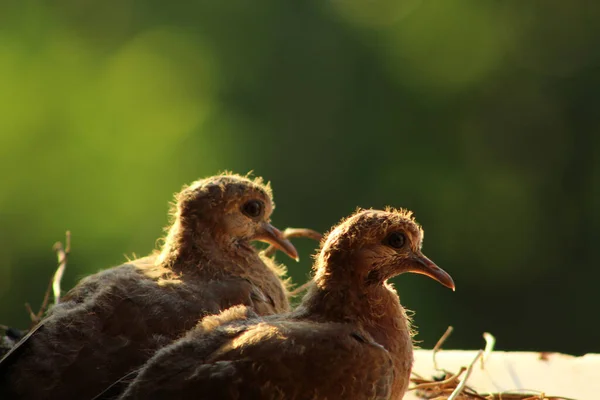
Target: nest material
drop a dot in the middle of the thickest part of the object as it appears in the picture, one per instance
(453, 386)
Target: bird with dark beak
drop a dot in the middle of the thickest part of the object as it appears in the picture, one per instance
(350, 337)
(113, 321)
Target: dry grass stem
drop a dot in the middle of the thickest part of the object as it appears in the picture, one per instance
(62, 253)
(290, 233)
(463, 383)
(439, 344)
(524, 395)
(430, 385)
(490, 342)
(300, 289)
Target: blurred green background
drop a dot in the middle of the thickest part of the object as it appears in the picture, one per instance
(481, 116)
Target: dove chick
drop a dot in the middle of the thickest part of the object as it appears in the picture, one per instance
(113, 321)
(349, 338)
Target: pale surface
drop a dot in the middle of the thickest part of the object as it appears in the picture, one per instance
(558, 375)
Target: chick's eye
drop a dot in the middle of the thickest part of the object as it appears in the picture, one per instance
(396, 239)
(253, 208)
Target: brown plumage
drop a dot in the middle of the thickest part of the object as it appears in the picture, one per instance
(113, 321)
(349, 338)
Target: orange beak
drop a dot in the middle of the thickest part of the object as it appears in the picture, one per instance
(424, 266)
(269, 234)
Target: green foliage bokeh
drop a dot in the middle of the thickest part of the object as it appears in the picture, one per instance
(481, 116)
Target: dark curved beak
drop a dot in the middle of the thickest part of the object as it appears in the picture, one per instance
(269, 234)
(424, 266)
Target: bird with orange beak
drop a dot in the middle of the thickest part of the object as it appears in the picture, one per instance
(350, 337)
(113, 321)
